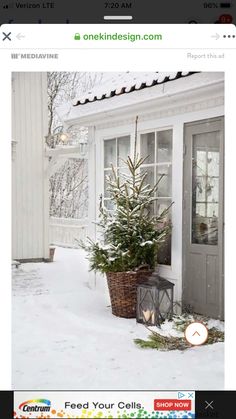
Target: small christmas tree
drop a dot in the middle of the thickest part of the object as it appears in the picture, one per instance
(131, 235)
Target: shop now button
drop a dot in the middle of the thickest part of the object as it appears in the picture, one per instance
(171, 404)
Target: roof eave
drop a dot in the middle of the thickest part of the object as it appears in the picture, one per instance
(145, 105)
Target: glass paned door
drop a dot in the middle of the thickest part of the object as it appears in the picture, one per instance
(203, 218)
(205, 187)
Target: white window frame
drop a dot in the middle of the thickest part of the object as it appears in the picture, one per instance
(116, 167)
(155, 165)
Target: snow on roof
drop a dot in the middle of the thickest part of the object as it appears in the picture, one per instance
(121, 83)
(140, 89)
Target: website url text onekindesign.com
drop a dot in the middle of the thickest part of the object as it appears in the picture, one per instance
(117, 37)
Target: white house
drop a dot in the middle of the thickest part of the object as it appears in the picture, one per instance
(180, 127)
(30, 219)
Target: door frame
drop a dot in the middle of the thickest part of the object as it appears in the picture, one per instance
(221, 211)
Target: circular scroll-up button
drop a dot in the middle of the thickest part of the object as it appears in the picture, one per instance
(196, 333)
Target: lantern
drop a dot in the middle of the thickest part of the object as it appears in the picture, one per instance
(83, 145)
(155, 301)
(63, 138)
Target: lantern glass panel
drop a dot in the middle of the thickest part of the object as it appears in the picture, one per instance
(146, 305)
(165, 303)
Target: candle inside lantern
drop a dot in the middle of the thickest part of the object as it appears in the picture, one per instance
(147, 315)
(153, 317)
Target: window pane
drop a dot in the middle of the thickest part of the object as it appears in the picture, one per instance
(108, 204)
(149, 180)
(162, 205)
(123, 174)
(200, 189)
(109, 152)
(164, 186)
(148, 147)
(212, 189)
(205, 188)
(213, 163)
(164, 146)
(201, 163)
(106, 174)
(123, 149)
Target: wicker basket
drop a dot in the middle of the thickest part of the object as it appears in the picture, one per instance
(123, 291)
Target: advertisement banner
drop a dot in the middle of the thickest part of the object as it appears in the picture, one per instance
(109, 404)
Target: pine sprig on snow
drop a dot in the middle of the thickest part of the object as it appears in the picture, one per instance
(169, 343)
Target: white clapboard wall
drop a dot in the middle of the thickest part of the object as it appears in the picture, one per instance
(30, 224)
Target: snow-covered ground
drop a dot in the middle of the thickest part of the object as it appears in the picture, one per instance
(65, 337)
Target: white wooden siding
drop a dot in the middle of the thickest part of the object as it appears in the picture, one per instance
(29, 183)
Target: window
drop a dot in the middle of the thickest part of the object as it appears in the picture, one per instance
(116, 150)
(205, 184)
(157, 146)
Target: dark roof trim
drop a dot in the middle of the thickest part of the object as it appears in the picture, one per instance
(133, 88)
